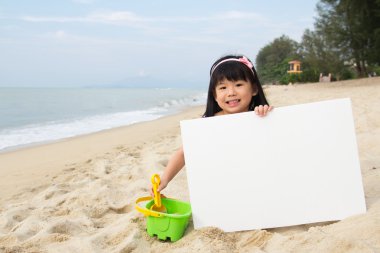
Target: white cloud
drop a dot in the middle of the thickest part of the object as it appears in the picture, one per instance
(120, 17)
(142, 73)
(211, 30)
(83, 1)
(111, 17)
(53, 19)
(115, 17)
(239, 15)
(60, 34)
(158, 25)
(106, 17)
(200, 39)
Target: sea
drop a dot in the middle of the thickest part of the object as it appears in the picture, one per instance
(30, 116)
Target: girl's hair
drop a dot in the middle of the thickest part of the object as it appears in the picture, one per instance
(233, 69)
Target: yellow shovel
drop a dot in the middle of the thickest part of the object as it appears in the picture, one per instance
(157, 206)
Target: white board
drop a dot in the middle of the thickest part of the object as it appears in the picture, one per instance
(297, 165)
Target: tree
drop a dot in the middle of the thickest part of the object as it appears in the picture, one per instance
(352, 28)
(272, 60)
(320, 57)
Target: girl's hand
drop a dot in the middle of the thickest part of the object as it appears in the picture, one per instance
(262, 110)
(152, 194)
(163, 184)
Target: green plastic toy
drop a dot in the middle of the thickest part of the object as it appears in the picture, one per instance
(166, 225)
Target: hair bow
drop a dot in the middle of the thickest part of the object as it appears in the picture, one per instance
(245, 61)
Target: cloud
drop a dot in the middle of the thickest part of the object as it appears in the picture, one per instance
(142, 73)
(65, 37)
(83, 1)
(239, 15)
(60, 34)
(111, 17)
(158, 24)
(52, 19)
(199, 29)
(198, 39)
(126, 17)
(116, 17)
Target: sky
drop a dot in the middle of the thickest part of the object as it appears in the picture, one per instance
(75, 43)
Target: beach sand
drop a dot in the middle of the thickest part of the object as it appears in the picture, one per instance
(77, 195)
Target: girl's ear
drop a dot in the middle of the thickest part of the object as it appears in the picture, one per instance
(255, 91)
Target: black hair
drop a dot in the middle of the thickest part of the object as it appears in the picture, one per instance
(233, 71)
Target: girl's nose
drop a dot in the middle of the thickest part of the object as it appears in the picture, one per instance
(231, 91)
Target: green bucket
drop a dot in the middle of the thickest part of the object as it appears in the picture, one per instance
(170, 225)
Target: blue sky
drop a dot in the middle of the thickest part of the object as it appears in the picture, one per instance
(98, 42)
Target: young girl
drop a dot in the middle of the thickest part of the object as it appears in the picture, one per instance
(234, 87)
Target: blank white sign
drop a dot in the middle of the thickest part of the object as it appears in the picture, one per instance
(297, 165)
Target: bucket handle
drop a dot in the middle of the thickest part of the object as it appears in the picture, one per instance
(146, 211)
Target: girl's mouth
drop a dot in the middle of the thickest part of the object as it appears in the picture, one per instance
(233, 102)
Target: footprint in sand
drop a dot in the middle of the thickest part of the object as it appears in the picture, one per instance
(9, 219)
(81, 226)
(27, 228)
(257, 238)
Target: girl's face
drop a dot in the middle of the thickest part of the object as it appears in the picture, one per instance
(233, 96)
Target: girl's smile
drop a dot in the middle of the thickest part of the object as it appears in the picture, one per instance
(233, 96)
(233, 103)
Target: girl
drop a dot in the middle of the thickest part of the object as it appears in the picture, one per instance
(234, 87)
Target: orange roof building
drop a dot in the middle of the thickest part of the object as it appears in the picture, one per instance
(294, 67)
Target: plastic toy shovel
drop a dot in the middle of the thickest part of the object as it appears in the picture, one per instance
(157, 206)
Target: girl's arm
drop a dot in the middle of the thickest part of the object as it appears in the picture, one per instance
(175, 164)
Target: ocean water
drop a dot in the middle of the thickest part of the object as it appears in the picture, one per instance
(36, 115)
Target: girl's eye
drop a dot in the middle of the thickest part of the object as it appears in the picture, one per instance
(222, 88)
(239, 84)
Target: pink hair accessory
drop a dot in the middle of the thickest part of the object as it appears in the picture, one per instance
(243, 60)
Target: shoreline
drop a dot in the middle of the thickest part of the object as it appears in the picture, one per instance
(42, 143)
(45, 116)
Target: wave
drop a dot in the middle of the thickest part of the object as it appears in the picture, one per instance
(60, 129)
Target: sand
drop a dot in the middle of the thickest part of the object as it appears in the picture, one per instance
(78, 195)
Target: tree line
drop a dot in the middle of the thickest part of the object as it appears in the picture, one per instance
(345, 42)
